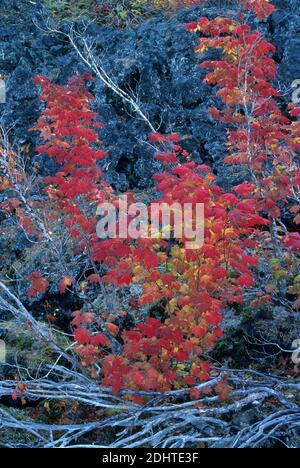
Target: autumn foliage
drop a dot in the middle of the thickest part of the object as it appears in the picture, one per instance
(264, 138)
(194, 285)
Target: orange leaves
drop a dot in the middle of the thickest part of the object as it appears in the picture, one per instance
(112, 328)
(38, 284)
(64, 283)
(4, 183)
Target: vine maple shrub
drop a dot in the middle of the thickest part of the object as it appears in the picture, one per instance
(193, 285)
(265, 140)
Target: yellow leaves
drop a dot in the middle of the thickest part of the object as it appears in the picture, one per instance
(22, 387)
(172, 305)
(229, 232)
(184, 289)
(156, 235)
(295, 290)
(178, 252)
(187, 310)
(47, 406)
(231, 56)
(181, 367)
(201, 49)
(206, 279)
(139, 273)
(162, 256)
(138, 270)
(4, 183)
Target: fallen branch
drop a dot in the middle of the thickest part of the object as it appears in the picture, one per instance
(84, 47)
(10, 303)
(169, 420)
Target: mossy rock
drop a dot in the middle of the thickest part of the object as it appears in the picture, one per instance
(12, 437)
(22, 347)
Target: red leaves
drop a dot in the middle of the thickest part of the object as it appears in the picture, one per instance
(41, 80)
(94, 278)
(166, 158)
(160, 138)
(150, 259)
(38, 284)
(88, 344)
(292, 240)
(246, 189)
(246, 280)
(112, 328)
(194, 393)
(192, 26)
(242, 29)
(82, 336)
(262, 8)
(99, 340)
(223, 390)
(25, 222)
(70, 133)
(156, 137)
(192, 285)
(295, 112)
(245, 215)
(199, 331)
(80, 318)
(214, 112)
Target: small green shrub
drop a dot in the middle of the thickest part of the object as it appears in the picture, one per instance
(115, 12)
(69, 8)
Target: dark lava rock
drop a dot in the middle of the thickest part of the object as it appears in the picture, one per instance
(155, 61)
